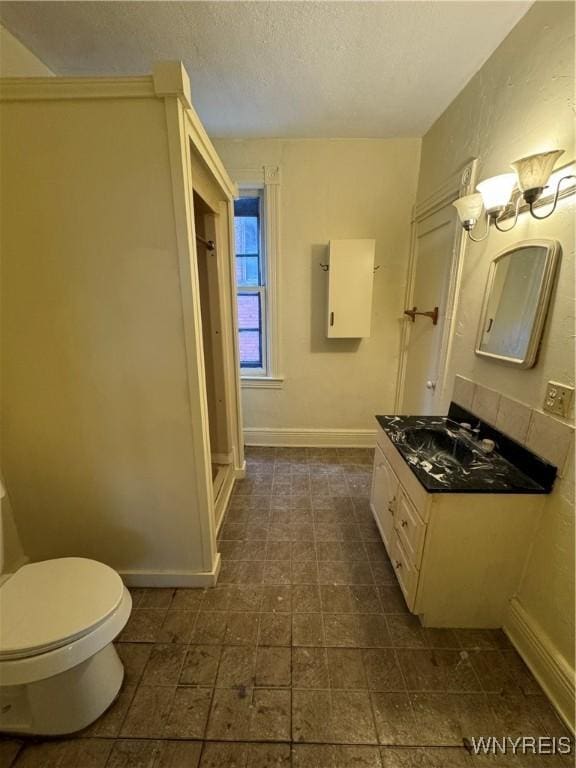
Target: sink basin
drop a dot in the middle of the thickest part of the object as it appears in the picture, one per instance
(446, 458)
(439, 446)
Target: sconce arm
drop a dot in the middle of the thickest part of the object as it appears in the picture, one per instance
(556, 196)
(486, 231)
(507, 229)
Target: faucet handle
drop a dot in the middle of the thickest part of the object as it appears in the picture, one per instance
(487, 446)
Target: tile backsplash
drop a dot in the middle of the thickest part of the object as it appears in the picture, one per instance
(513, 418)
(543, 434)
(486, 404)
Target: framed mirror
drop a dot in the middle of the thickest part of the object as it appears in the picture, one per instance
(516, 301)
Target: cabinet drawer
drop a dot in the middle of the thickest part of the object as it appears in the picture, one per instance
(410, 528)
(406, 574)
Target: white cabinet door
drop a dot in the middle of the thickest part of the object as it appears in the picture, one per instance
(411, 529)
(350, 281)
(384, 497)
(405, 572)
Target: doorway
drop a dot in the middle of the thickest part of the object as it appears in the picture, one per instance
(438, 243)
(209, 279)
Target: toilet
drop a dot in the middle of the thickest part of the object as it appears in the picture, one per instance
(59, 670)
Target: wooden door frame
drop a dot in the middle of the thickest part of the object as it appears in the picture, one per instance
(460, 183)
(193, 161)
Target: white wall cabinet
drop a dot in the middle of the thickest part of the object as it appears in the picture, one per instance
(458, 557)
(350, 284)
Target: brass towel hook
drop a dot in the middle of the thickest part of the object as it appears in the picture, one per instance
(432, 314)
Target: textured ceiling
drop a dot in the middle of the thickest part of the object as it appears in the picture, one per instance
(292, 69)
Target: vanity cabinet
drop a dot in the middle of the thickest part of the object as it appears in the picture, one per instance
(458, 557)
(384, 492)
(410, 527)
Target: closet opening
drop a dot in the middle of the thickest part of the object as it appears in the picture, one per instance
(210, 262)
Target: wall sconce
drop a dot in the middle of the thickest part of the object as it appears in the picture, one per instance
(533, 173)
(494, 194)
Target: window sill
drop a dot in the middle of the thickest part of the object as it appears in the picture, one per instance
(261, 382)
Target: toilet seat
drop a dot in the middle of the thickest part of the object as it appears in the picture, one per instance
(59, 669)
(45, 606)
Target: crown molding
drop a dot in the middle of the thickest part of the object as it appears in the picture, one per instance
(62, 88)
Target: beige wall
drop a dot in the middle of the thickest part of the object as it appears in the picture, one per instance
(334, 189)
(520, 102)
(16, 60)
(97, 441)
(11, 554)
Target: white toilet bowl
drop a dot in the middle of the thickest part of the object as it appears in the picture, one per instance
(58, 668)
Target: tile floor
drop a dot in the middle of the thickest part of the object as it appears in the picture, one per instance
(304, 655)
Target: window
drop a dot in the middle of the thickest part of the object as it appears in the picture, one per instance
(251, 282)
(257, 236)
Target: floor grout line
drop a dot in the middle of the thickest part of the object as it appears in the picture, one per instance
(286, 523)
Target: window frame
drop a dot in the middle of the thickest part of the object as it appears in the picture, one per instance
(266, 180)
(259, 290)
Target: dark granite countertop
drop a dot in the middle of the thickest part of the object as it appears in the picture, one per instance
(440, 471)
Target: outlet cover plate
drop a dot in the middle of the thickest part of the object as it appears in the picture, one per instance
(558, 398)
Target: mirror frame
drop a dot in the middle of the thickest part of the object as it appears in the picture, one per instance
(554, 250)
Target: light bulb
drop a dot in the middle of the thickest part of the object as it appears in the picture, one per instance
(496, 192)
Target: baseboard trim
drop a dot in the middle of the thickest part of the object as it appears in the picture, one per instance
(223, 497)
(311, 438)
(172, 578)
(240, 472)
(549, 668)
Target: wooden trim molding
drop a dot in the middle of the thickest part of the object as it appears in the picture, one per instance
(208, 153)
(58, 88)
(466, 186)
(240, 472)
(232, 342)
(223, 494)
(172, 578)
(547, 665)
(262, 382)
(272, 179)
(169, 79)
(182, 191)
(249, 177)
(460, 183)
(312, 438)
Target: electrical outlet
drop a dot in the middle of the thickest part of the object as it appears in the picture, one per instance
(558, 398)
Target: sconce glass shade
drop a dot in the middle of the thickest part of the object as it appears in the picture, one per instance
(469, 208)
(496, 191)
(534, 171)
